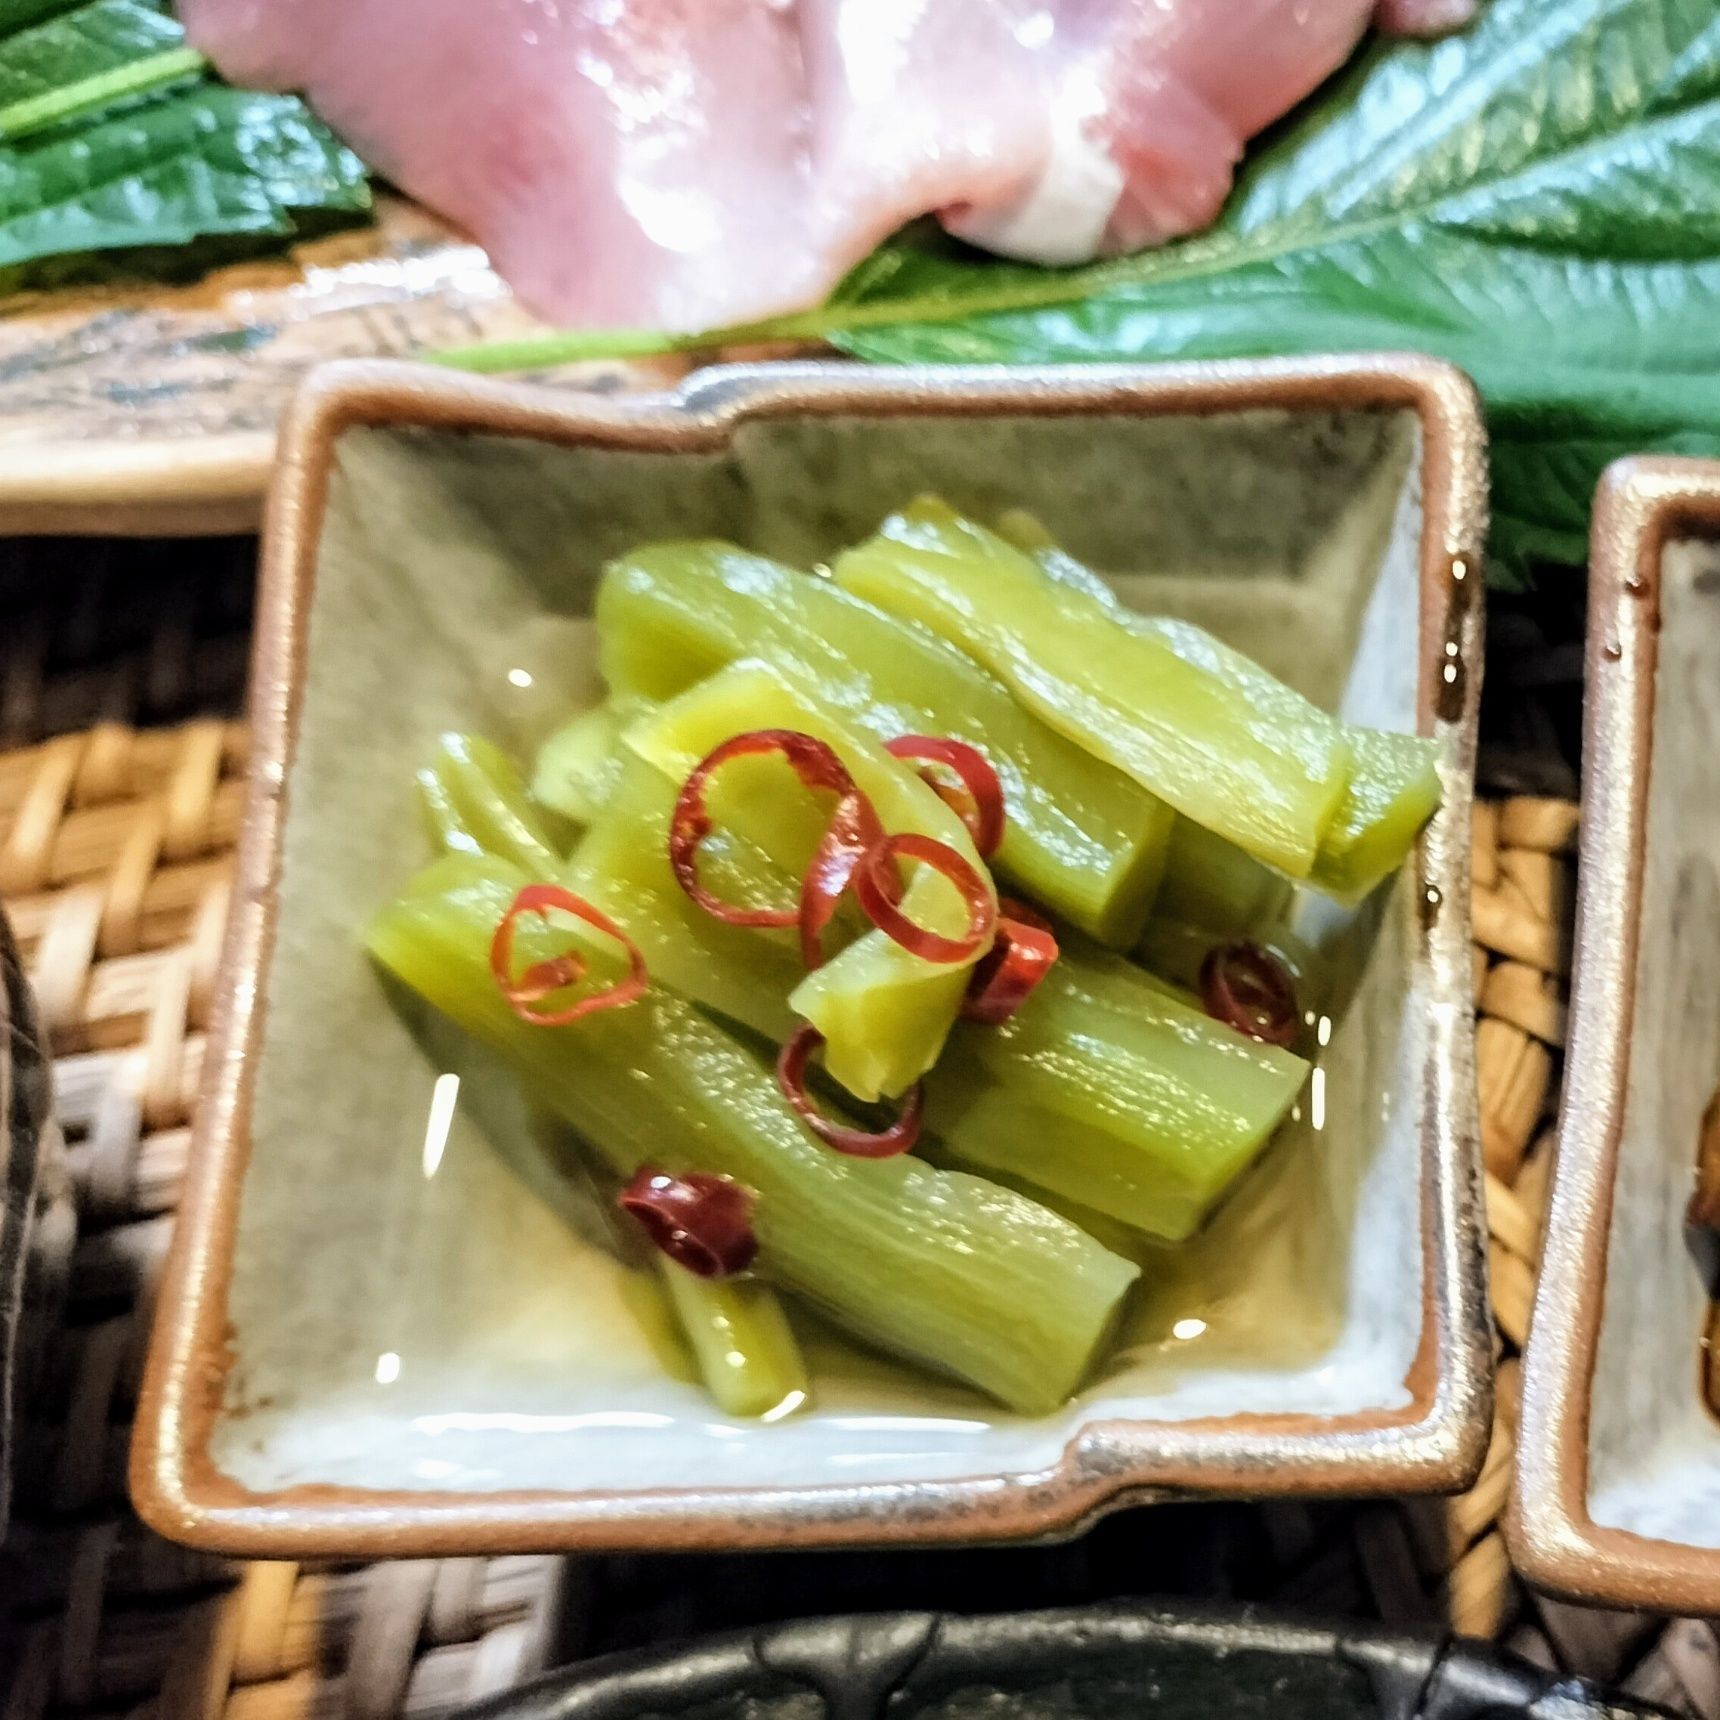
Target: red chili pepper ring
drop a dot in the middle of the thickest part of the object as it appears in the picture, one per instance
(701, 1222)
(1005, 977)
(857, 1143)
(1247, 987)
(812, 761)
(544, 978)
(878, 891)
(983, 813)
(853, 828)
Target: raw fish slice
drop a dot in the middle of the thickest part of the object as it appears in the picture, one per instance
(628, 162)
(1422, 17)
(688, 163)
(920, 105)
(1166, 93)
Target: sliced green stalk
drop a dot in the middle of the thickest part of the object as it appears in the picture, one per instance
(1114, 1092)
(1174, 950)
(1025, 531)
(622, 865)
(576, 767)
(1192, 721)
(1393, 790)
(946, 1269)
(1081, 838)
(998, 1134)
(1126, 1240)
(741, 1339)
(475, 801)
(1028, 533)
(1393, 786)
(884, 1012)
(646, 1298)
(1212, 883)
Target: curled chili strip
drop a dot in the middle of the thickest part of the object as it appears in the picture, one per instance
(877, 888)
(701, 1222)
(853, 828)
(812, 761)
(1247, 987)
(1021, 955)
(544, 978)
(857, 1143)
(979, 800)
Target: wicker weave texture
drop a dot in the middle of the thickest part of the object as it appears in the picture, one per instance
(116, 859)
(116, 849)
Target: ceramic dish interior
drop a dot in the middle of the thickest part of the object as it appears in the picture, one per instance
(376, 1337)
(1619, 1467)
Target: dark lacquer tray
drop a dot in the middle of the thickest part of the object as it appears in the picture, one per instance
(1102, 1663)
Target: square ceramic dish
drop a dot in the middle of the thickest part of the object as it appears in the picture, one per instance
(356, 1356)
(1618, 1472)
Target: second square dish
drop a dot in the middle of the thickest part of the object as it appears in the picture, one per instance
(1618, 1466)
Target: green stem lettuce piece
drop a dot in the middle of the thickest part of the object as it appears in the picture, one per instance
(741, 1340)
(475, 802)
(1192, 721)
(1113, 1091)
(1211, 883)
(622, 864)
(1393, 790)
(576, 767)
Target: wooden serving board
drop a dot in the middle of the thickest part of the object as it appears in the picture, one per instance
(150, 410)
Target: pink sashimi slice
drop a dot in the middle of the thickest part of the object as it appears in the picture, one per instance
(1423, 17)
(626, 162)
(1169, 92)
(685, 164)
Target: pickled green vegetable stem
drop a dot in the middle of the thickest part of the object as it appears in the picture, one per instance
(623, 866)
(1393, 790)
(576, 766)
(1114, 1092)
(1081, 838)
(947, 1269)
(1393, 786)
(1197, 724)
(475, 801)
(741, 1340)
(1211, 883)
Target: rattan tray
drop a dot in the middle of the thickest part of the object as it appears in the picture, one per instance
(121, 670)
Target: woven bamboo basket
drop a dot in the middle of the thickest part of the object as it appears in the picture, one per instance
(122, 758)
